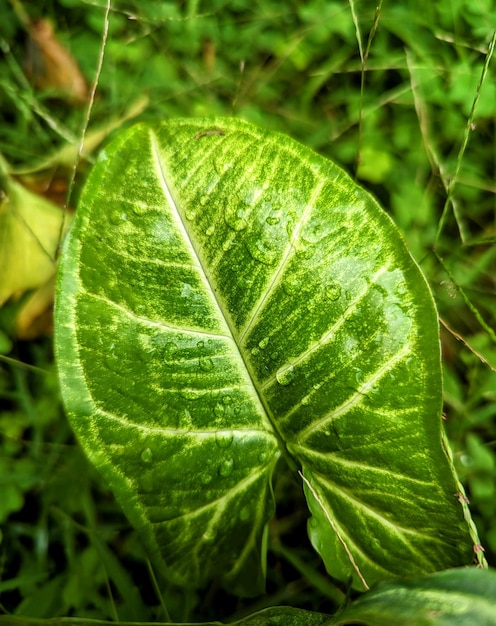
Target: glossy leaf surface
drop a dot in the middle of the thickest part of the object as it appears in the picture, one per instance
(463, 596)
(226, 295)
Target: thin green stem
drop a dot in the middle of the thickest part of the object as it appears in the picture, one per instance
(469, 127)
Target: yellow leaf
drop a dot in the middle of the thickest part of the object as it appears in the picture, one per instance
(30, 229)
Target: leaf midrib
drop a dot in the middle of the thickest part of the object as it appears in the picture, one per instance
(233, 335)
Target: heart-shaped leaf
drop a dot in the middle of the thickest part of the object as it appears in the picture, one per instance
(226, 296)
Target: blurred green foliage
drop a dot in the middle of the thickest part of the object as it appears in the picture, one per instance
(294, 67)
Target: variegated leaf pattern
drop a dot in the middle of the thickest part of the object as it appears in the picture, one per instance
(227, 298)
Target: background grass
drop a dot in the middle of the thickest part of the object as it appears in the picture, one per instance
(388, 95)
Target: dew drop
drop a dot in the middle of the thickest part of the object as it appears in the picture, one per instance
(255, 351)
(219, 410)
(305, 251)
(285, 375)
(190, 214)
(356, 378)
(261, 251)
(170, 350)
(290, 287)
(139, 209)
(246, 282)
(147, 456)
(373, 395)
(226, 468)
(274, 355)
(210, 231)
(227, 400)
(206, 364)
(186, 291)
(263, 457)
(224, 438)
(272, 221)
(236, 218)
(227, 245)
(206, 478)
(188, 393)
(263, 343)
(204, 200)
(245, 514)
(185, 420)
(200, 344)
(291, 224)
(305, 401)
(333, 291)
(116, 217)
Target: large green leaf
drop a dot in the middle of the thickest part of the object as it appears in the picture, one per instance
(464, 596)
(227, 295)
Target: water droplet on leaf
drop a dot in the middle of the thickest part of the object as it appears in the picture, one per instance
(219, 410)
(206, 364)
(285, 375)
(236, 218)
(263, 343)
(206, 478)
(188, 393)
(245, 514)
(261, 251)
(224, 438)
(263, 457)
(170, 350)
(116, 217)
(186, 291)
(147, 456)
(290, 286)
(333, 291)
(305, 250)
(185, 420)
(139, 209)
(226, 468)
(272, 221)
